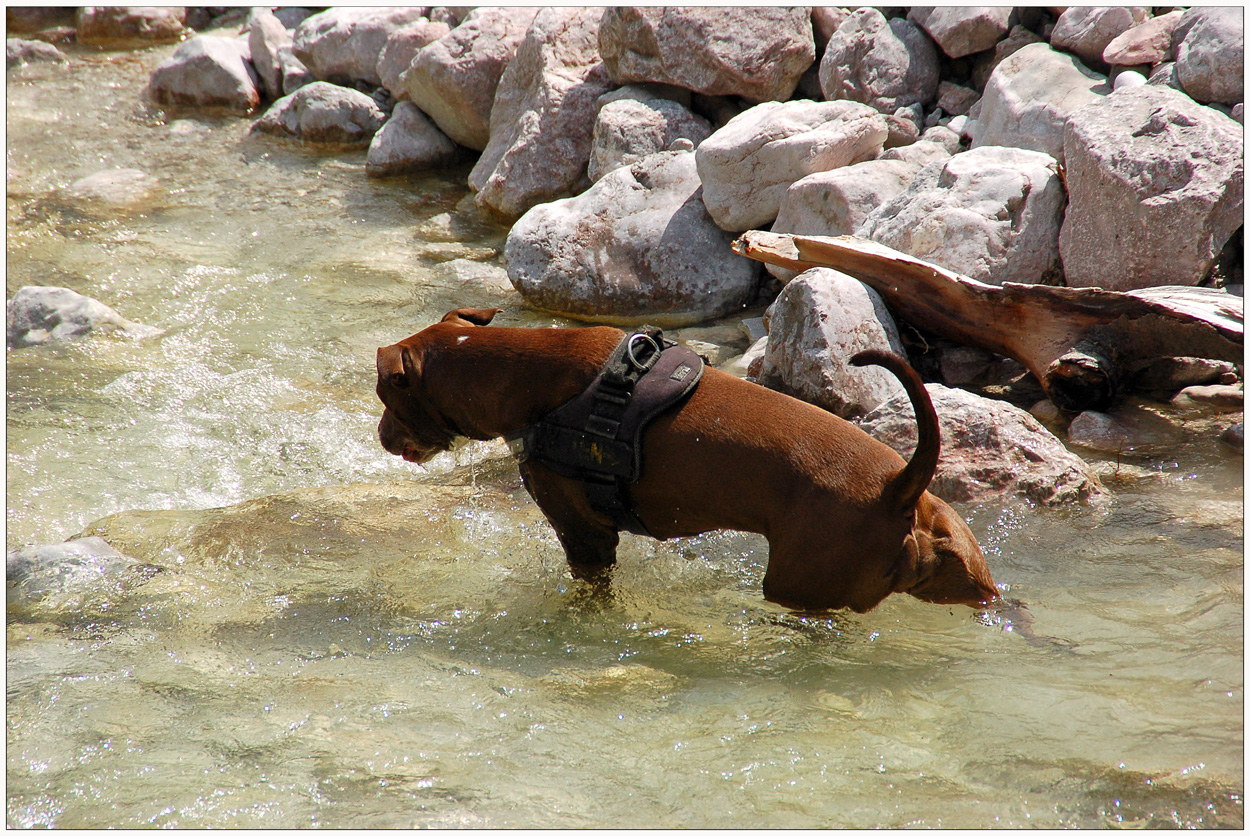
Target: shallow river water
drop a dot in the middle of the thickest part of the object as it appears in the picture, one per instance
(340, 639)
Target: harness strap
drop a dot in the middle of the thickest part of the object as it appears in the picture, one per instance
(595, 437)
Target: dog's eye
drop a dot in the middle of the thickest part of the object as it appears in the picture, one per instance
(398, 380)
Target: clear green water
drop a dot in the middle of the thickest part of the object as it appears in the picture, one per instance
(355, 643)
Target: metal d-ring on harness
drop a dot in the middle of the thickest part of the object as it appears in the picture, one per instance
(596, 437)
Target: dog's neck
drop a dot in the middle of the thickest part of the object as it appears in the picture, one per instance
(482, 378)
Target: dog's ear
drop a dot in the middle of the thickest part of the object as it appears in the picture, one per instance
(394, 367)
(471, 316)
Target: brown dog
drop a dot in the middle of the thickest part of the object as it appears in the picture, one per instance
(847, 520)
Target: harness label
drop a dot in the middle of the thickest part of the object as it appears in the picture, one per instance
(681, 373)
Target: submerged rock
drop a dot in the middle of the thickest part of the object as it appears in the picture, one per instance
(19, 52)
(121, 27)
(117, 190)
(207, 71)
(990, 449)
(323, 113)
(637, 246)
(818, 322)
(408, 142)
(70, 576)
(36, 315)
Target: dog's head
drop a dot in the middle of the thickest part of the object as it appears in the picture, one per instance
(940, 560)
(412, 426)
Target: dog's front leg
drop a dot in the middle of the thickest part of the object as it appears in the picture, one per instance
(589, 542)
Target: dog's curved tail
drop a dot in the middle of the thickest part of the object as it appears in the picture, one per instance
(915, 477)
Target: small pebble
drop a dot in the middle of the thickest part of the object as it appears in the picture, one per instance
(1129, 78)
(1234, 436)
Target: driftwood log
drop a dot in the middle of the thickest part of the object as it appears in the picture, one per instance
(1082, 344)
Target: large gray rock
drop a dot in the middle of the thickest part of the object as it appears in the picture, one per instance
(1210, 54)
(747, 165)
(37, 315)
(453, 80)
(1085, 31)
(70, 577)
(984, 64)
(990, 450)
(637, 125)
(1147, 43)
(206, 71)
(1029, 97)
(120, 27)
(323, 113)
(756, 52)
(544, 115)
(265, 37)
(637, 246)
(885, 64)
(294, 74)
(837, 202)
(1155, 186)
(342, 44)
(992, 214)
(408, 142)
(963, 30)
(816, 324)
(402, 47)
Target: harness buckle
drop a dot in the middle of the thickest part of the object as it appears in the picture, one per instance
(642, 365)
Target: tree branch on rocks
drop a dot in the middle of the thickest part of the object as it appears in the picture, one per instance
(1082, 344)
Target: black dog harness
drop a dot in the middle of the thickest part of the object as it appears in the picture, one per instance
(596, 437)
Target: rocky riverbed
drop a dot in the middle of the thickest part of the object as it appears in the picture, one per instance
(235, 209)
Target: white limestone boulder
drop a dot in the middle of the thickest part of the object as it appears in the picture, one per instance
(543, 115)
(816, 324)
(747, 165)
(1210, 54)
(206, 71)
(963, 30)
(887, 64)
(992, 214)
(1155, 189)
(325, 114)
(1085, 31)
(991, 450)
(635, 125)
(453, 80)
(1030, 96)
(638, 246)
(342, 44)
(408, 142)
(756, 52)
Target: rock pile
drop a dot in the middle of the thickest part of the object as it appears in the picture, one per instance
(1086, 146)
